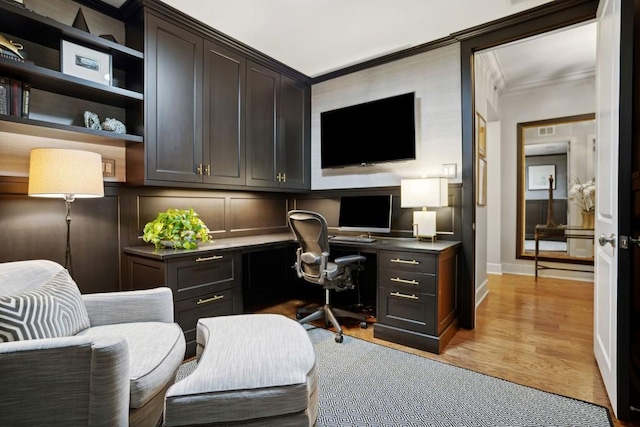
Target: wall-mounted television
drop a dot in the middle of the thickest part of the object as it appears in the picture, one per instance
(373, 132)
(369, 214)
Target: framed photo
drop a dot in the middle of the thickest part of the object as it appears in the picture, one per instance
(538, 177)
(481, 135)
(80, 61)
(482, 182)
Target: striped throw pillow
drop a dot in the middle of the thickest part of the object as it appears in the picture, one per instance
(53, 310)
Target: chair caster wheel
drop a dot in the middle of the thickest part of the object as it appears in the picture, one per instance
(363, 325)
(339, 338)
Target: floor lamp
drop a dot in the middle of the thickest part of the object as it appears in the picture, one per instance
(68, 174)
(424, 193)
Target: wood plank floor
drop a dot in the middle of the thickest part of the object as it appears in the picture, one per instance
(538, 334)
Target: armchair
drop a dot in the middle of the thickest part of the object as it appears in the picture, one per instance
(313, 265)
(115, 372)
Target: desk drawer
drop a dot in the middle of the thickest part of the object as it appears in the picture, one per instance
(221, 303)
(407, 281)
(410, 311)
(197, 275)
(407, 261)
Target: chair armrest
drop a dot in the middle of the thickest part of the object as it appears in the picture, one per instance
(149, 305)
(70, 380)
(349, 259)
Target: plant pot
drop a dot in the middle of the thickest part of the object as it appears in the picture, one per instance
(588, 220)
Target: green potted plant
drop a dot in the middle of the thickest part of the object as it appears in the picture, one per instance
(176, 228)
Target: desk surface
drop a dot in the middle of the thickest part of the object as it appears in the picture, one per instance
(265, 240)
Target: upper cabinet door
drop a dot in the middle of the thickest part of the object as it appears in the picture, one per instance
(173, 103)
(293, 134)
(223, 115)
(262, 101)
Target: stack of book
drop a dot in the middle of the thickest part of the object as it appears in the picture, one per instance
(14, 97)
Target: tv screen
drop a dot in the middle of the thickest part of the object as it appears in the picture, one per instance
(371, 214)
(364, 134)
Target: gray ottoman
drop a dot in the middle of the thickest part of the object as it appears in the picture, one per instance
(253, 370)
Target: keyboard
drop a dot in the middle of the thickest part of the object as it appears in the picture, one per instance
(353, 239)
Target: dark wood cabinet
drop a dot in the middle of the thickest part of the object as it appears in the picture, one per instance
(204, 284)
(174, 103)
(223, 112)
(417, 298)
(277, 130)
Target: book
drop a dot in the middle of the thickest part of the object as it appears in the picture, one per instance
(16, 98)
(5, 96)
(26, 99)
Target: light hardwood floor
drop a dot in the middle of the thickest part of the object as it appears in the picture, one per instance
(538, 334)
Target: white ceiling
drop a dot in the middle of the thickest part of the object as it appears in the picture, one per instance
(319, 36)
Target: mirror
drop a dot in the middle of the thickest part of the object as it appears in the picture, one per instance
(565, 149)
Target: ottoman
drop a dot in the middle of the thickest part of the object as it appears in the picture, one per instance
(253, 370)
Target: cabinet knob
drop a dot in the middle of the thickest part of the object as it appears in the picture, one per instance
(208, 170)
(405, 261)
(209, 258)
(199, 169)
(208, 300)
(408, 282)
(398, 294)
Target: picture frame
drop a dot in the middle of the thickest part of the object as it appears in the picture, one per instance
(85, 63)
(481, 193)
(481, 135)
(538, 177)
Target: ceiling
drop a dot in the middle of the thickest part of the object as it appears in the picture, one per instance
(319, 36)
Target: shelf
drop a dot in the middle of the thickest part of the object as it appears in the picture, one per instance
(64, 84)
(44, 129)
(22, 22)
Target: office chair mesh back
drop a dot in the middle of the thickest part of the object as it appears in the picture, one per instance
(310, 229)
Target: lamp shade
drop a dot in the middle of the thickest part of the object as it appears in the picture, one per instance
(56, 172)
(424, 193)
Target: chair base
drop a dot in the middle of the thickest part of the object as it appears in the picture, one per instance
(329, 315)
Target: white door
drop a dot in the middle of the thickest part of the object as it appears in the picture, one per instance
(606, 230)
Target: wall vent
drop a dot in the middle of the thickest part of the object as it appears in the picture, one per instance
(546, 131)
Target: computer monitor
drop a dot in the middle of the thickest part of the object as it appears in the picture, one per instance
(370, 214)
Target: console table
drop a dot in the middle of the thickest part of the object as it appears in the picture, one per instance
(417, 283)
(570, 232)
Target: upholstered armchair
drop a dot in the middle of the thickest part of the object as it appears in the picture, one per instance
(82, 360)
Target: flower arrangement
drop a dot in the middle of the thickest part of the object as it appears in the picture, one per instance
(177, 228)
(584, 195)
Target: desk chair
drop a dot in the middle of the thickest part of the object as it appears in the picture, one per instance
(313, 265)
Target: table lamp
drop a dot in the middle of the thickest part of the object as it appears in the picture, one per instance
(68, 174)
(424, 193)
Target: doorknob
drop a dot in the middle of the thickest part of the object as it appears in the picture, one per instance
(603, 240)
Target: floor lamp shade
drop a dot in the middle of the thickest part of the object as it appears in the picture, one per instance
(424, 193)
(56, 172)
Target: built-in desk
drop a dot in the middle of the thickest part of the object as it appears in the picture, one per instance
(416, 283)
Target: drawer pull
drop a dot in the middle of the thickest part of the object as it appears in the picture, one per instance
(398, 294)
(408, 282)
(208, 300)
(406, 261)
(209, 258)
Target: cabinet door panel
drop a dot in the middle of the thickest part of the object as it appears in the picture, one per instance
(196, 275)
(262, 102)
(223, 113)
(293, 152)
(414, 312)
(174, 88)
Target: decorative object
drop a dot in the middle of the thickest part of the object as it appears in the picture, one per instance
(80, 23)
(114, 126)
(463, 397)
(176, 228)
(538, 176)
(481, 135)
(588, 220)
(550, 222)
(92, 121)
(584, 195)
(10, 45)
(481, 194)
(89, 64)
(109, 37)
(424, 193)
(69, 174)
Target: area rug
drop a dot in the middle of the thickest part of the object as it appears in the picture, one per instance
(365, 384)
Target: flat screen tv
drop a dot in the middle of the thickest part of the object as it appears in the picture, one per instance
(369, 214)
(365, 134)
